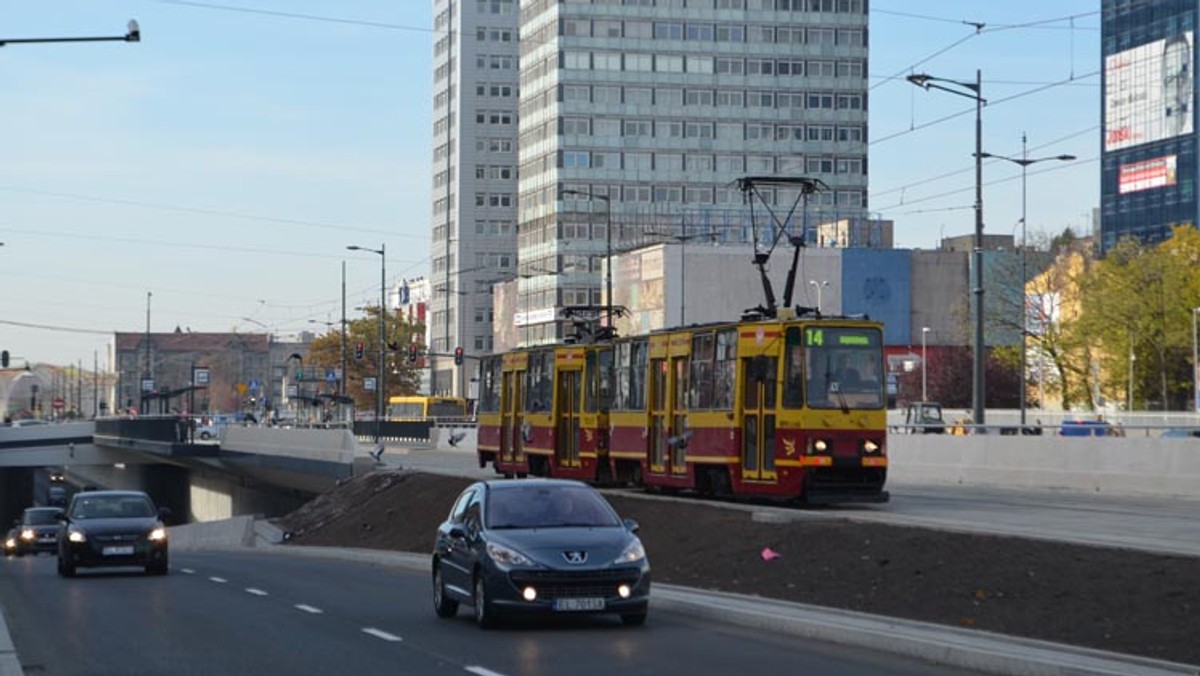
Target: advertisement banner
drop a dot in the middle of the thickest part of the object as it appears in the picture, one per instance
(1148, 92)
(1155, 173)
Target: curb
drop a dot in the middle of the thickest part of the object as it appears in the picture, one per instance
(951, 646)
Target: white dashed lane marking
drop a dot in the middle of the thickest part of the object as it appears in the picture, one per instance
(483, 671)
(309, 609)
(219, 580)
(256, 592)
(381, 634)
(188, 571)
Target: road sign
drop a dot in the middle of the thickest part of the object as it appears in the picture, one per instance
(369, 384)
(147, 385)
(241, 388)
(200, 377)
(253, 385)
(59, 403)
(331, 376)
(293, 390)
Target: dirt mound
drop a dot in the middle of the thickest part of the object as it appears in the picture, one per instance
(1123, 601)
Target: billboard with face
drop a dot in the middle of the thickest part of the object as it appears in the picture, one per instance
(1149, 92)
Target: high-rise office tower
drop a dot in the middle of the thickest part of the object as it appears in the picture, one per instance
(639, 114)
(1148, 179)
(474, 170)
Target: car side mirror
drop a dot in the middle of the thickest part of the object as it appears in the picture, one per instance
(457, 532)
(631, 525)
(61, 516)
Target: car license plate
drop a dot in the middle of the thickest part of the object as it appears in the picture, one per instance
(124, 550)
(46, 540)
(579, 604)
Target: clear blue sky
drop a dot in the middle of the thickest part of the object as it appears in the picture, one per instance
(225, 162)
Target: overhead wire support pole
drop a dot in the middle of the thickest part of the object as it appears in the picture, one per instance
(974, 91)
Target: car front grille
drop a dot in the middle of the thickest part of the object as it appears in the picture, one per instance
(558, 584)
(116, 538)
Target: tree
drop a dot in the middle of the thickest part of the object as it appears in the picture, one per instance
(402, 378)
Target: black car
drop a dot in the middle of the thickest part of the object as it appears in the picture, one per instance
(538, 546)
(10, 542)
(112, 528)
(38, 530)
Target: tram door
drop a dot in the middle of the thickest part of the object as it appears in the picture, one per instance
(659, 420)
(511, 439)
(569, 403)
(758, 422)
(679, 432)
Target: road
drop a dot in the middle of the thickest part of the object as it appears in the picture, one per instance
(256, 613)
(1150, 524)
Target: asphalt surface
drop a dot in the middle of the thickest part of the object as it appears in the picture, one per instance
(259, 613)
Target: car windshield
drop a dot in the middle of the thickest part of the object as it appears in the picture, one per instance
(41, 517)
(112, 507)
(549, 507)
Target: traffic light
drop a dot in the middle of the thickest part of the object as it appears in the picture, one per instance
(358, 350)
(458, 356)
(4, 359)
(412, 353)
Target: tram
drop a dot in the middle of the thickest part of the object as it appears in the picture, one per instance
(784, 403)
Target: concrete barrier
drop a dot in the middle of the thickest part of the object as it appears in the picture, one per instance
(335, 445)
(1119, 466)
(238, 531)
(1116, 465)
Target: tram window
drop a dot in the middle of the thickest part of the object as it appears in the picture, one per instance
(793, 384)
(592, 391)
(637, 380)
(681, 383)
(724, 370)
(702, 383)
(606, 379)
(622, 374)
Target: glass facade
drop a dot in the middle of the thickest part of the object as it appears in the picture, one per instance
(1149, 142)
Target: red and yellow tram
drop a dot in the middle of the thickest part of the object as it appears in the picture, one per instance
(792, 407)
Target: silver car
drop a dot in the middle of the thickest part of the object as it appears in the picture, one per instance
(538, 546)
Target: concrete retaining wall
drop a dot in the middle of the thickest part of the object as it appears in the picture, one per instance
(337, 446)
(1120, 466)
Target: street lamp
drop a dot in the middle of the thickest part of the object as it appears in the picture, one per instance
(379, 385)
(924, 379)
(973, 91)
(817, 285)
(608, 297)
(132, 34)
(1195, 364)
(1024, 161)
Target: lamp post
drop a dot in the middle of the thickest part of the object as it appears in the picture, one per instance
(1024, 161)
(817, 285)
(973, 91)
(1195, 363)
(608, 293)
(924, 377)
(132, 34)
(379, 384)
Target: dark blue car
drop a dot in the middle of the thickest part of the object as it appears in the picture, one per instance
(538, 546)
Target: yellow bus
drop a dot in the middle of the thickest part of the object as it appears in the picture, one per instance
(417, 407)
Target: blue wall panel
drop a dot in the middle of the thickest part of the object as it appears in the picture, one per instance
(877, 282)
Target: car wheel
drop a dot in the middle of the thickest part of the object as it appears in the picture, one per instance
(205, 436)
(157, 568)
(485, 617)
(443, 605)
(66, 569)
(633, 619)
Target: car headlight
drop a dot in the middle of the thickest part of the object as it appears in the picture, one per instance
(28, 534)
(633, 552)
(158, 534)
(504, 556)
(10, 543)
(76, 536)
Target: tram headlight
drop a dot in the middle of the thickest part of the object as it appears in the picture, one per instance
(870, 446)
(820, 446)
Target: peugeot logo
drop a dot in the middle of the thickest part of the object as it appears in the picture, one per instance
(576, 557)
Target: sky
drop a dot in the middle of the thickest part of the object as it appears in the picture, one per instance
(214, 173)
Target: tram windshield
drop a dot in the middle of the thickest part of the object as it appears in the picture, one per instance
(845, 368)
